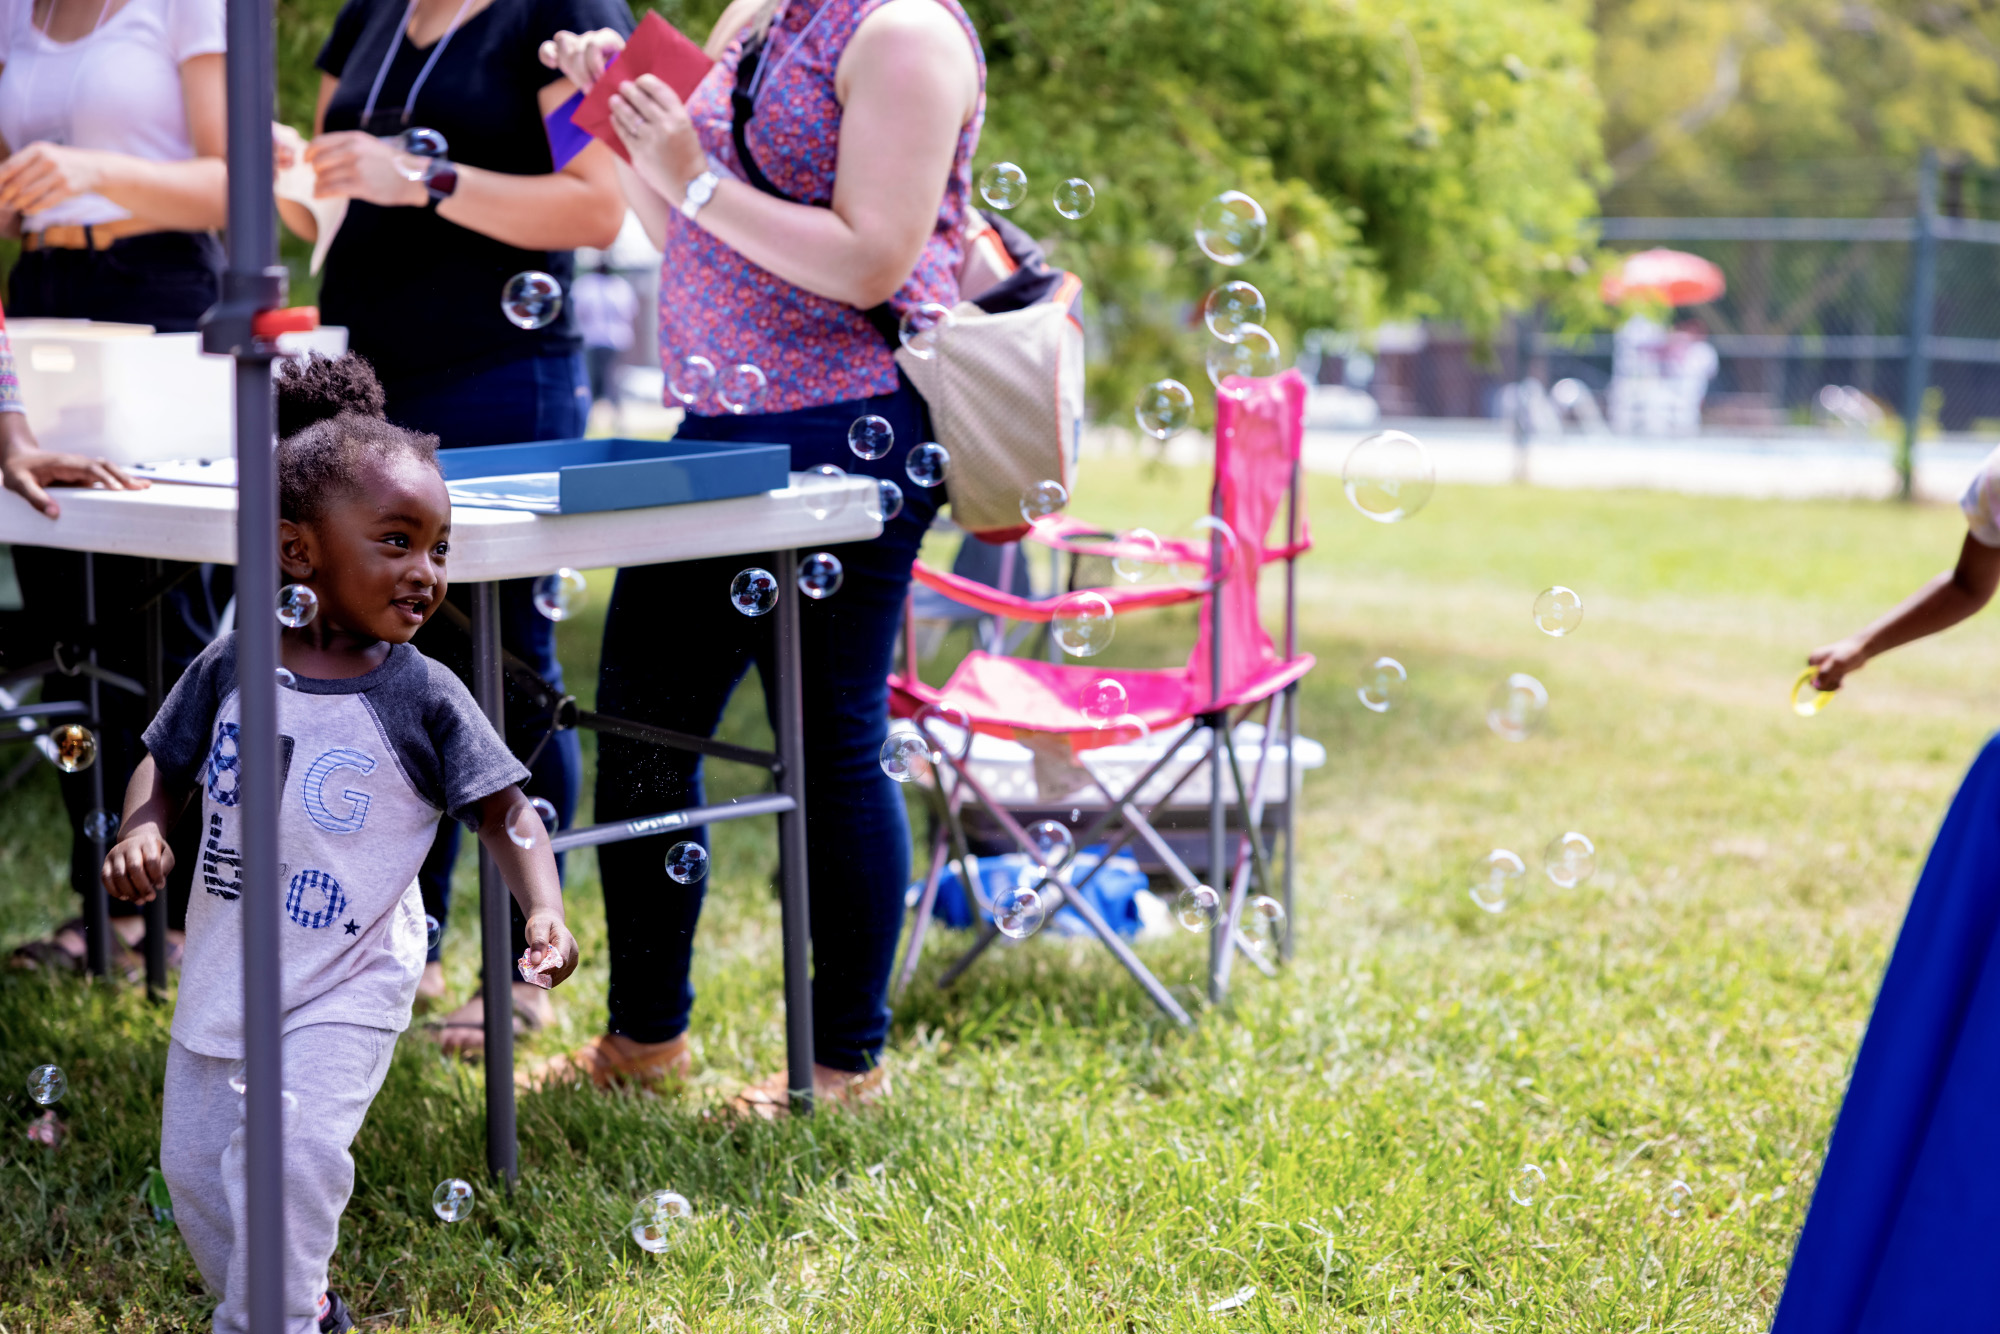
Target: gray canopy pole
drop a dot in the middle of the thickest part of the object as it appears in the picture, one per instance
(253, 282)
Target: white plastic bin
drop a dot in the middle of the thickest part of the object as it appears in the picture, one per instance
(131, 395)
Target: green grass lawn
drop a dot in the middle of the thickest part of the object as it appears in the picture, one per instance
(1339, 1141)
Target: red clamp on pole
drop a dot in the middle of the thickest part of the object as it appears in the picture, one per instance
(268, 324)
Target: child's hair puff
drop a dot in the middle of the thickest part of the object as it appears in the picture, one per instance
(330, 420)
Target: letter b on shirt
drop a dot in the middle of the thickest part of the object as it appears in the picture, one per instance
(314, 791)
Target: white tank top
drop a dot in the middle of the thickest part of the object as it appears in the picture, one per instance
(117, 89)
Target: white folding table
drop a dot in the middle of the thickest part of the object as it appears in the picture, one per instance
(198, 523)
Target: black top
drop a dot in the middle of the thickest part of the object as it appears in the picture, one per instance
(417, 293)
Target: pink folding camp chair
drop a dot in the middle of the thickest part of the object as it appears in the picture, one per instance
(1234, 667)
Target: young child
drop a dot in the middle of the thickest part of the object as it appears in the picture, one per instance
(1944, 601)
(377, 742)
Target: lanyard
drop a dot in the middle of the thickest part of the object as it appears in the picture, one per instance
(410, 102)
(765, 68)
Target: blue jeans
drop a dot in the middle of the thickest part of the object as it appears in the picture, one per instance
(674, 650)
(534, 398)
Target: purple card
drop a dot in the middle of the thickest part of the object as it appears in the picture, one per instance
(566, 140)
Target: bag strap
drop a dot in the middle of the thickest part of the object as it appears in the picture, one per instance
(743, 106)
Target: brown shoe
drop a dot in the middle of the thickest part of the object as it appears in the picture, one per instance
(610, 1059)
(833, 1091)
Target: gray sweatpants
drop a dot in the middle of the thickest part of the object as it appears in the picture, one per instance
(332, 1073)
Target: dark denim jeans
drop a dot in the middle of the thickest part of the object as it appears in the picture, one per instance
(674, 650)
(533, 398)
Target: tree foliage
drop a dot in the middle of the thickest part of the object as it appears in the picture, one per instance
(1434, 158)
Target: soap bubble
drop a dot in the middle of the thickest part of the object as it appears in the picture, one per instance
(99, 826)
(1230, 227)
(433, 932)
(1558, 611)
(1165, 408)
(1231, 309)
(1388, 476)
(1043, 499)
(820, 575)
(1679, 1195)
(871, 437)
(1253, 356)
(1083, 624)
(1215, 546)
(1495, 877)
(531, 300)
(1018, 911)
(1382, 683)
(753, 591)
(923, 326)
(905, 756)
(824, 490)
(1130, 728)
(561, 595)
(297, 605)
(1053, 840)
(285, 679)
(927, 464)
(655, 1217)
(1075, 197)
(412, 147)
(1003, 185)
(47, 1084)
(1104, 701)
(687, 862)
(525, 827)
(545, 810)
(889, 498)
(1264, 923)
(1139, 555)
(740, 388)
(690, 378)
(1807, 698)
(1569, 859)
(72, 746)
(1527, 1184)
(1517, 707)
(452, 1200)
(1196, 906)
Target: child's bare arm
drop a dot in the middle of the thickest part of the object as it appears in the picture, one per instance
(138, 866)
(531, 873)
(1941, 603)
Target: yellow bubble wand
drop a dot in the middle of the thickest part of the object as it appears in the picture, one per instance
(1808, 699)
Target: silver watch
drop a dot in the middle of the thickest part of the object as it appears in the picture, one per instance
(700, 190)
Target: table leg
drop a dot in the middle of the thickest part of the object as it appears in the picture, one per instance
(96, 903)
(156, 692)
(496, 943)
(797, 928)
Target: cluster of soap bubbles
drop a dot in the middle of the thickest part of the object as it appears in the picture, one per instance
(738, 388)
(653, 1222)
(1569, 859)
(1005, 186)
(1529, 1182)
(561, 595)
(531, 300)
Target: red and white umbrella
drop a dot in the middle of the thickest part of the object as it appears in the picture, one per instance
(1672, 276)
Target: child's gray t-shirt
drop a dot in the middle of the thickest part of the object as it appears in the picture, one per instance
(369, 764)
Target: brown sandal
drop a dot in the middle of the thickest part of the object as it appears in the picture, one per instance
(833, 1091)
(611, 1059)
(467, 1038)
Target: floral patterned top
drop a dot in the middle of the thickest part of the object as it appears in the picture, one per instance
(717, 304)
(10, 382)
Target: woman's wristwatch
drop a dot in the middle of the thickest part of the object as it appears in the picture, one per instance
(440, 179)
(700, 190)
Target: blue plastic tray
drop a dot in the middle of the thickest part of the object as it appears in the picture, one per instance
(587, 476)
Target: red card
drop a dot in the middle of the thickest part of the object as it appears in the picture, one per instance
(656, 47)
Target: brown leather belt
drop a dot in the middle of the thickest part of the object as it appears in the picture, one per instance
(95, 236)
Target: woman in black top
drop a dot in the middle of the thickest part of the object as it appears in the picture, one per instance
(416, 273)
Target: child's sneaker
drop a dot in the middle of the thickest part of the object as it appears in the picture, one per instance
(333, 1316)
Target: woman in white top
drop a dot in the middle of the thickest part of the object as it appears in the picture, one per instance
(111, 113)
(111, 168)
